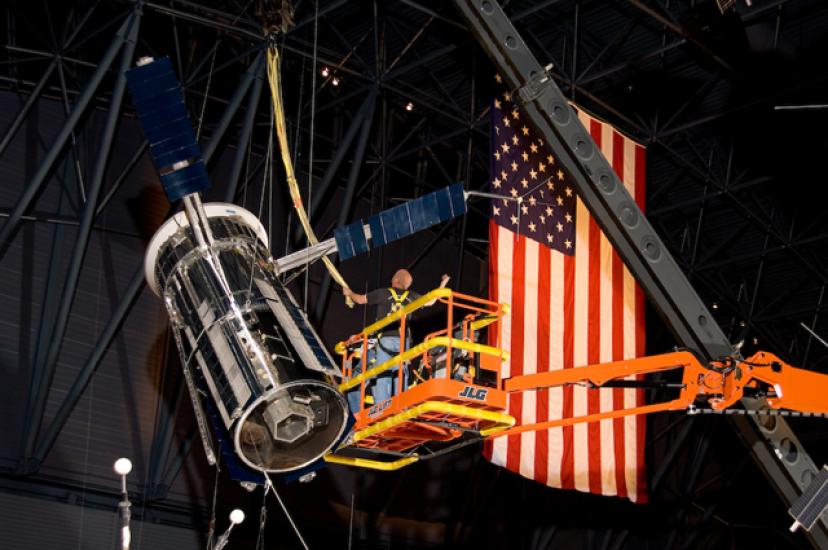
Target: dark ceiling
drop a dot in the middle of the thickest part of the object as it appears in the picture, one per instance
(734, 187)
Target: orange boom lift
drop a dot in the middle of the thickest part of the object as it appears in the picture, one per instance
(457, 396)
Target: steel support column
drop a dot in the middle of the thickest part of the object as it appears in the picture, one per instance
(164, 431)
(251, 73)
(321, 189)
(364, 112)
(24, 110)
(348, 199)
(244, 136)
(47, 368)
(91, 365)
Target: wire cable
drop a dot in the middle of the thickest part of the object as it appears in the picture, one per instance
(312, 129)
(269, 486)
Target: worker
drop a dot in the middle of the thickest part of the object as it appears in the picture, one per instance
(387, 301)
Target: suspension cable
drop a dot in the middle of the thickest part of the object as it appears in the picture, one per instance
(296, 197)
(312, 130)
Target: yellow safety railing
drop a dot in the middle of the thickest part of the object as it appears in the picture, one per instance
(372, 464)
(419, 349)
(501, 420)
(478, 313)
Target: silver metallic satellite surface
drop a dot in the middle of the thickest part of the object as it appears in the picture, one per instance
(243, 341)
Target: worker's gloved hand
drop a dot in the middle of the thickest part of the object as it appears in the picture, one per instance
(348, 292)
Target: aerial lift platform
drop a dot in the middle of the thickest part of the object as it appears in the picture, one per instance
(456, 396)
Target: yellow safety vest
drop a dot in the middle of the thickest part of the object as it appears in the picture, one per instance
(399, 302)
(399, 299)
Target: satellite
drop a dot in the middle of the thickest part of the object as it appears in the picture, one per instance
(242, 339)
(254, 366)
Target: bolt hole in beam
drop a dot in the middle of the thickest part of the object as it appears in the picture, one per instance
(788, 451)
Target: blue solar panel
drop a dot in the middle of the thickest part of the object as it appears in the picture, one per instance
(192, 152)
(158, 134)
(162, 115)
(401, 221)
(185, 181)
(813, 502)
(350, 240)
(159, 102)
(377, 232)
(146, 89)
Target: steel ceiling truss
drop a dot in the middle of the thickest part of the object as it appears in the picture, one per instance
(396, 54)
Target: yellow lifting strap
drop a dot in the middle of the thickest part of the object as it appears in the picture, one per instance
(281, 132)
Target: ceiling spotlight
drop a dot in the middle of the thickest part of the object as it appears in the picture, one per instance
(335, 81)
(123, 466)
(236, 516)
(326, 72)
(715, 305)
(409, 106)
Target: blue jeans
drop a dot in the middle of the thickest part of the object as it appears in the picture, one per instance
(384, 384)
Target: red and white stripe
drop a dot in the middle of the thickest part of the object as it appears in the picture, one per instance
(569, 311)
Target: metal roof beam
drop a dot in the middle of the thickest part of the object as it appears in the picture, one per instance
(128, 40)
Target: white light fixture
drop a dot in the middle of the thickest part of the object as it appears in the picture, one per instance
(409, 106)
(123, 466)
(335, 81)
(325, 72)
(236, 516)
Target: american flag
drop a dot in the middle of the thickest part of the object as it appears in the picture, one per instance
(573, 303)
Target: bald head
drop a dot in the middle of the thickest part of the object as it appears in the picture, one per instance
(402, 279)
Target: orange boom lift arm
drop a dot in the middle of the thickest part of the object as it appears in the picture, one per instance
(719, 385)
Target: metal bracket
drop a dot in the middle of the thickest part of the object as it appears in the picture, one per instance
(535, 85)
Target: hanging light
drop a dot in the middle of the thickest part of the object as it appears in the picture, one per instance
(335, 81)
(325, 72)
(122, 467)
(715, 305)
(409, 106)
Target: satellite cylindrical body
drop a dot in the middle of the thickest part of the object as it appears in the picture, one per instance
(248, 344)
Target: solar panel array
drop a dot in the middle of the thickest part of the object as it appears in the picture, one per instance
(813, 502)
(159, 102)
(401, 221)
